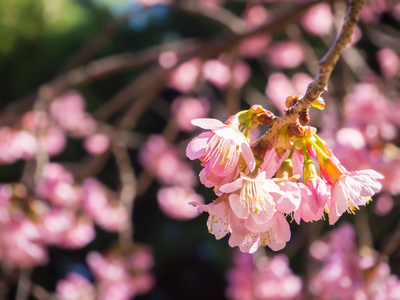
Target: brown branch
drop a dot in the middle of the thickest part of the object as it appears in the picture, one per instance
(125, 62)
(99, 40)
(128, 188)
(319, 84)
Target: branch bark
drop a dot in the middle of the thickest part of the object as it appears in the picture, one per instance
(320, 82)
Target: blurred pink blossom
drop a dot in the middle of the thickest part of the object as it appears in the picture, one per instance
(174, 202)
(68, 112)
(288, 54)
(318, 19)
(96, 144)
(184, 77)
(262, 278)
(75, 287)
(54, 224)
(210, 4)
(346, 272)
(53, 140)
(255, 16)
(56, 186)
(168, 59)
(217, 73)
(151, 2)
(109, 216)
(163, 161)
(279, 87)
(240, 74)
(255, 46)
(383, 204)
(389, 62)
(118, 280)
(79, 234)
(21, 244)
(186, 109)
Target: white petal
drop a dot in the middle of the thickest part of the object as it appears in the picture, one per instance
(207, 123)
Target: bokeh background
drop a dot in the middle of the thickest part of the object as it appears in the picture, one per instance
(96, 98)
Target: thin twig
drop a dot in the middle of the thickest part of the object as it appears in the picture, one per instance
(125, 62)
(24, 284)
(128, 188)
(319, 84)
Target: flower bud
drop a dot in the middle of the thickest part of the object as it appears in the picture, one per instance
(292, 100)
(286, 169)
(304, 118)
(319, 103)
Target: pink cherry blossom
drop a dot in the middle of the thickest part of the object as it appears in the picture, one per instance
(254, 198)
(164, 162)
(168, 59)
(275, 237)
(173, 201)
(219, 214)
(75, 287)
(255, 16)
(389, 62)
(21, 241)
(220, 148)
(96, 144)
(186, 109)
(318, 19)
(217, 72)
(348, 273)
(68, 111)
(285, 55)
(56, 186)
(209, 179)
(79, 234)
(152, 2)
(254, 46)
(384, 204)
(54, 224)
(352, 190)
(184, 77)
(109, 216)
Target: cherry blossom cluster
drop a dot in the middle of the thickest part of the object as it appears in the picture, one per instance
(368, 137)
(255, 277)
(165, 162)
(118, 276)
(47, 131)
(338, 270)
(58, 212)
(346, 272)
(298, 176)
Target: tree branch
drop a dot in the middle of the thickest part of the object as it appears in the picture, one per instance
(125, 62)
(320, 82)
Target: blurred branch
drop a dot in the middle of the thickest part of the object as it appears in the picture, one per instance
(320, 82)
(217, 13)
(128, 188)
(24, 284)
(125, 62)
(99, 40)
(392, 244)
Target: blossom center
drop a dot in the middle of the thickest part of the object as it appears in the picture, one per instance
(254, 197)
(223, 152)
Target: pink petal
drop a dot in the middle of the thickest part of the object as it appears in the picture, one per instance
(233, 186)
(197, 147)
(248, 156)
(207, 123)
(239, 210)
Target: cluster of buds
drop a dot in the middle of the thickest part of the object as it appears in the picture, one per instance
(296, 175)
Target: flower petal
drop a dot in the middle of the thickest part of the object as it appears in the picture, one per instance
(207, 123)
(197, 147)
